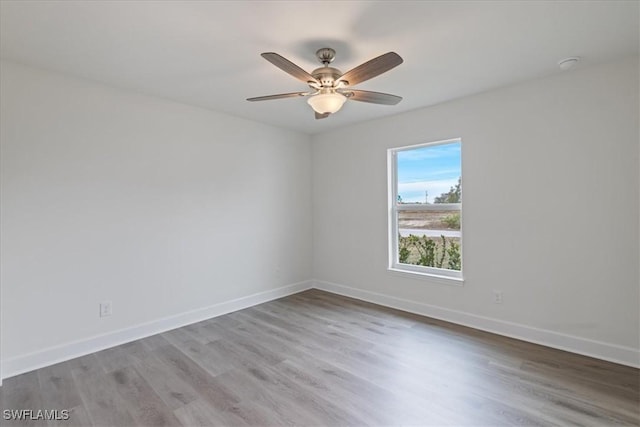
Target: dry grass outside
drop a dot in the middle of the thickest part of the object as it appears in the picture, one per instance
(426, 220)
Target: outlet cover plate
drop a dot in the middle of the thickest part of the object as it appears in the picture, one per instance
(105, 309)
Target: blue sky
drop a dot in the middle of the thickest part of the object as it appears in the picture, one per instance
(434, 169)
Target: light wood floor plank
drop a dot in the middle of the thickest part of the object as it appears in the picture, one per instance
(143, 403)
(104, 406)
(167, 384)
(200, 413)
(22, 392)
(202, 382)
(57, 387)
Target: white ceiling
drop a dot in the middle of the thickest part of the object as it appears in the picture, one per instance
(208, 53)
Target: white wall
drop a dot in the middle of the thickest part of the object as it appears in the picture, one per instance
(160, 207)
(550, 190)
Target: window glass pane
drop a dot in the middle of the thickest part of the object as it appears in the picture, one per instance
(429, 174)
(429, 238)
(421, 249)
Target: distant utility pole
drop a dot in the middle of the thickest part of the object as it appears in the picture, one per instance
(426, 196)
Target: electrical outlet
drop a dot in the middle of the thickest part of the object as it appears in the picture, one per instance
(497, 296)
(105, 309)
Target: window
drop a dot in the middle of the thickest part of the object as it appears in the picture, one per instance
(425, 209)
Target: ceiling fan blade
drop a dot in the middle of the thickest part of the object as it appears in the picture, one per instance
(373, 97)
(279, 96)
(289, 67)
(371, 69)
(322, 115)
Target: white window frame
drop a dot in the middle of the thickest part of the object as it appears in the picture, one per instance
(450, 276)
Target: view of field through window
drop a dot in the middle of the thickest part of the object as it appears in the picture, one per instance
(429, 189)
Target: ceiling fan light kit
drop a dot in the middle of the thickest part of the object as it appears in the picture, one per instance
(330, 88)
(329, 102)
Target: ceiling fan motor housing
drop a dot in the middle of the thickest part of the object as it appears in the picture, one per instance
(326, 75)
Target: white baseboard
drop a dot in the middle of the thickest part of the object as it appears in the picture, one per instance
(60, 353)
(600, 350)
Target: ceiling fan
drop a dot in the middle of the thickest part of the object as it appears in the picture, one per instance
(329, 87)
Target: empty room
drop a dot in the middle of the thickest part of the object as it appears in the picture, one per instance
(319, 213)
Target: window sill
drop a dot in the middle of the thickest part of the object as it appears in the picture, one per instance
(435, 278)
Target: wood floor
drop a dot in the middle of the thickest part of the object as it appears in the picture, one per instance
(319, 359)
